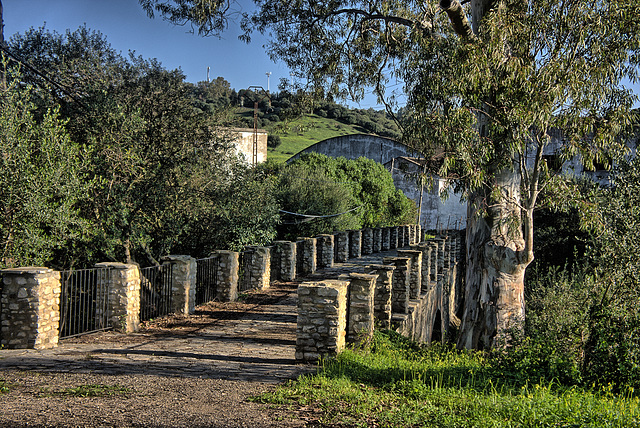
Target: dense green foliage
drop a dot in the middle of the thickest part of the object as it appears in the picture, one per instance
(114, 158)
(41, 182)
(156, 176)
(582, 325)
(398, 383)
(316, 184)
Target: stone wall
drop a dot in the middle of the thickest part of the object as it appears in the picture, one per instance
(31, 307)
(256, 269)
(417, 294)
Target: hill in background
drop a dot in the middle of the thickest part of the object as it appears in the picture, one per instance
(293, 121)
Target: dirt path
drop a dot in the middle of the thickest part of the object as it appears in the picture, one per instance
(195, 371)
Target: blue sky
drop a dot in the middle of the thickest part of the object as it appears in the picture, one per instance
(127, 27)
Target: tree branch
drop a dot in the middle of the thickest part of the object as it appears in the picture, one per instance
(423, 25)
(458, 18)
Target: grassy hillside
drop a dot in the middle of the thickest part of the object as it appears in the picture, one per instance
(305, 131)
(302, 132)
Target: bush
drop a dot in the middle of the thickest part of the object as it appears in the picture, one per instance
(273, 141)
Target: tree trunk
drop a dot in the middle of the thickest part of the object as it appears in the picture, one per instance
(496, 263)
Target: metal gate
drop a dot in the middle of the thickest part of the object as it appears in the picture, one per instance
(207, 279)
(156, 297)
(84, 301)
(245, 261)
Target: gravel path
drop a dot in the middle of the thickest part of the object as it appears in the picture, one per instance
(195, 371)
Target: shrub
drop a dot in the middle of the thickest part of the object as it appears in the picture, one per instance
(273, 141)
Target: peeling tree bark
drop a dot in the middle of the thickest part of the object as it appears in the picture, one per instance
(496, 263)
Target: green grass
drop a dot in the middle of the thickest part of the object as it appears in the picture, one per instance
(297, 135)
(4, 387)
(397, 383)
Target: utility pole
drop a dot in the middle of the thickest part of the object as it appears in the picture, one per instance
(255, 121)
(208, 74)
(3, 78)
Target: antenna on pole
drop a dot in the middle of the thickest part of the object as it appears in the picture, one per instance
(268, 73)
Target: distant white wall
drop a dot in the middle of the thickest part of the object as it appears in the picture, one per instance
(243, 138)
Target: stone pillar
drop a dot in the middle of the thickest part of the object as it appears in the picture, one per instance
(124, 296)
(386, 240)
(355, 244)
(377, 240)
(419, 234)
(393, 237)
(342, 247)
(360, 323)
(183, 283)
(400, 286)
(407, 235)
(322, 319)
(412, 234)
(367, 241)
(382, 295)
(326, 251)
(227, 275)
(415, 274)
(425, 249)
(400, 237)
(30, 308)
(307, 253)
(433, 265)
(257, 268)
(283, 261)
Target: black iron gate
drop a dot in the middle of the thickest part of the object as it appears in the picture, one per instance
(156, 297)
(84, 301)
(207, 279)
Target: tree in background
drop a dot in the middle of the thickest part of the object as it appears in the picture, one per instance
(156, 168)
(41, 182)
(318, 185)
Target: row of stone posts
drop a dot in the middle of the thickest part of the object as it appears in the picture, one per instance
(306, 255)
(30, 298)
(418, 294)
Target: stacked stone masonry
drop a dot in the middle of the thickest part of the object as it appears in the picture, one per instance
(322, 319)
(355, 244)
(326, 251)
(342, 247)
(393, 288)
(283, 263)
(256, 268)
(124, 296)
(30, 307)
(183, 283)
(361, 307)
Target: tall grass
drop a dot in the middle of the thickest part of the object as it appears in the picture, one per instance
(398, 383)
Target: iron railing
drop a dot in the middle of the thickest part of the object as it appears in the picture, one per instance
(245, 259)
(207, 279)
(156, 297)
(84, 301)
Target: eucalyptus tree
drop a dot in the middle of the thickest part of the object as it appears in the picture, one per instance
(487, 85)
